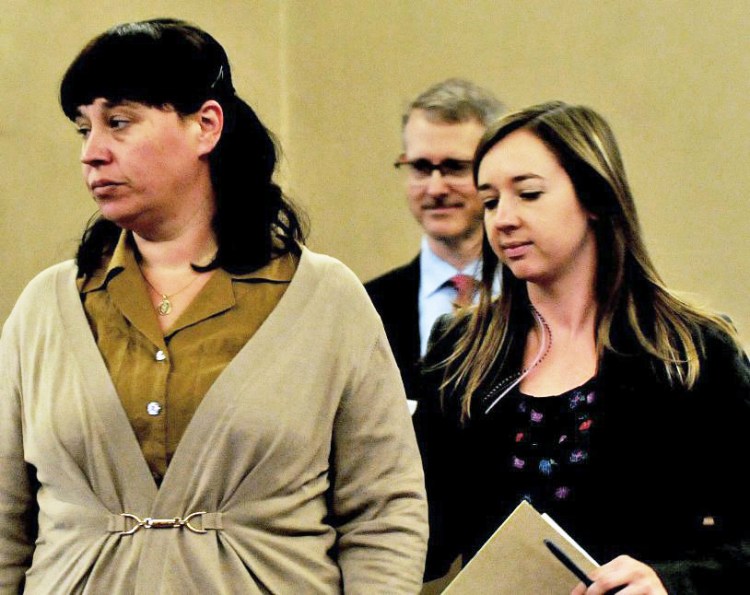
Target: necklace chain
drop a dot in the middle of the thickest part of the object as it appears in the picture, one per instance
(514, 379)
(165, 305)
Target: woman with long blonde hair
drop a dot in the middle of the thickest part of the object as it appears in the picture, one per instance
(587, 388)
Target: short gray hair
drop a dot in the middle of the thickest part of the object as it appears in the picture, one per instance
(456, 100)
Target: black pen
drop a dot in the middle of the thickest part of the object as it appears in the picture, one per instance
(569, 564)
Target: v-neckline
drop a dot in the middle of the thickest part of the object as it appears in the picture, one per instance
(145, 493)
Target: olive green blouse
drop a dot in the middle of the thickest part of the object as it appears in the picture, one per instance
(161, 377)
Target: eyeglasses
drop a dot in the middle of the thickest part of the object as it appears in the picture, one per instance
(451, 169)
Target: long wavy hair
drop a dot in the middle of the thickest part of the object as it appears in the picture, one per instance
(170, 63)
(630, 294)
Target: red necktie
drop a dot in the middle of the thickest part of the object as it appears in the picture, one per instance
(465, 286)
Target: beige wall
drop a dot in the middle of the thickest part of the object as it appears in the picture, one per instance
(331, 78)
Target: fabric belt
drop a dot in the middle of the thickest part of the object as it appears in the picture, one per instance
(196, 522)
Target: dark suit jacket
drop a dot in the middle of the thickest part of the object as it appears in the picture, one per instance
(396, 298)
(663, 459)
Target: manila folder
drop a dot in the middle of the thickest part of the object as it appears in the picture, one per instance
(515, 561)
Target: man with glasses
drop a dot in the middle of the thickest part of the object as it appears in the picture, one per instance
(441, 130)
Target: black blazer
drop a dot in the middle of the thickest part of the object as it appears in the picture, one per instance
(664, 460)
(396, 298)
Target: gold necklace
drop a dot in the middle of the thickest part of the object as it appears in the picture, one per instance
(165, 305)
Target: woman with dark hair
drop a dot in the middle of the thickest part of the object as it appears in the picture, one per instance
(198, 403)
(587, 388)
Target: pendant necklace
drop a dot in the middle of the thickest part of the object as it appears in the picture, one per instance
(165, 305)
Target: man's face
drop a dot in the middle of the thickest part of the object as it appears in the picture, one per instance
(446, 206)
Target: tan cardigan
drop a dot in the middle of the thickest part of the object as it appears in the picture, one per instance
(302, 454)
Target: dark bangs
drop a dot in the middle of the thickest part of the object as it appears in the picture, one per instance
(157, 63)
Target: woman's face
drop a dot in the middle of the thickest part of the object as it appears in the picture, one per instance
(142, 164)
(534, 221)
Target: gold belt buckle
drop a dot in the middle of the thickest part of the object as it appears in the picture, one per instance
(152, 523)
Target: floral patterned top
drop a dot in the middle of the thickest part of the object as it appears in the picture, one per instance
(550, 452)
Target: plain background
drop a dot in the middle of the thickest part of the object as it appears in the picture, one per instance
(331, 77)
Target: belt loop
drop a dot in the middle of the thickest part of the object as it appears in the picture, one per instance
(212, 520)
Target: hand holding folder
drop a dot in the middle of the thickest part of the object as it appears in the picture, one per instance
(516, 561)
